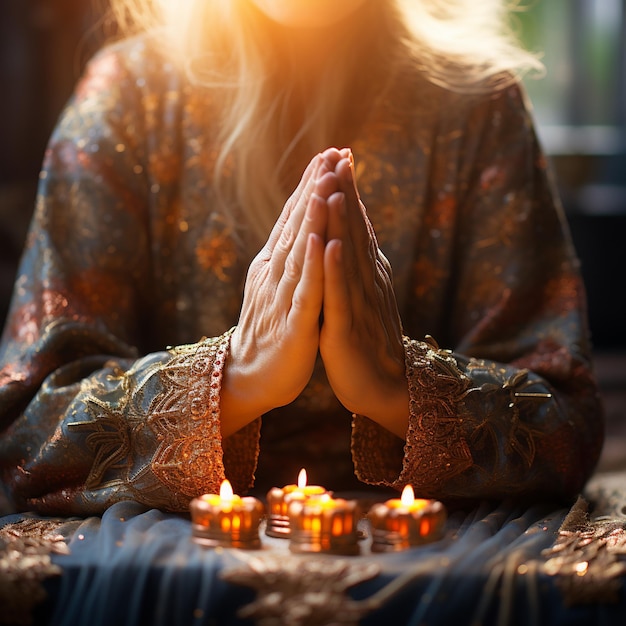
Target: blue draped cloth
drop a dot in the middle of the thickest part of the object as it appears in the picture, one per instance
(136, 566)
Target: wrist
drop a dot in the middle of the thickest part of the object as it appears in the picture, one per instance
(241, 402)
(392, 412)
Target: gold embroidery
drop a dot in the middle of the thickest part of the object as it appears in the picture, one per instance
(587, 558)
(302, 591)
(108, 438)
(25, 548)
(185, 419)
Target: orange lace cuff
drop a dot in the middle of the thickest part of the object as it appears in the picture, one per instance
(435, 449)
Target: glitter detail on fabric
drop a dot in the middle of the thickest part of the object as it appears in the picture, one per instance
(294, 591)
(435, 446)
(108, 438)
(186, 419)
(588, 558)
(25, 548)
(181, 422)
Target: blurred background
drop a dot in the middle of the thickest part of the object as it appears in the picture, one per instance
(580, 108)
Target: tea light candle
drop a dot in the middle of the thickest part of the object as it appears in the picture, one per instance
(323, 524)
(278, 500)
(398, 524)
(226, 520)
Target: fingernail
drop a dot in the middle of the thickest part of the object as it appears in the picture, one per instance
(341, 200)
(339, 251)
(310, 242)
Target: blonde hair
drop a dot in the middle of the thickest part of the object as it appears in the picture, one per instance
(273, 120)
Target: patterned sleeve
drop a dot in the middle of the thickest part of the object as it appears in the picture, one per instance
(84, 421)
(103, 430)
(508, 406)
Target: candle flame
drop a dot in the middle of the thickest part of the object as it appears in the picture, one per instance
(226, 491)
(408, 497)
(302, 479)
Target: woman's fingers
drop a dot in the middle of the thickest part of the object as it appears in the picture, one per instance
(291, 241)
(361, 336)
(306, 303)
(360, 231)
(338, 279)
(288, 257)
(278, 328)
(295, 206)
(294, 203)
(303, 264)
(332, 156)
(352, 283)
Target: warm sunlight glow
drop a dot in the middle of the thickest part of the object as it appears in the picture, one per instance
(408, 497)
(302, 479)
(226, 491)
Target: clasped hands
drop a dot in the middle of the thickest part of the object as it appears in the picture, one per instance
(320, 283)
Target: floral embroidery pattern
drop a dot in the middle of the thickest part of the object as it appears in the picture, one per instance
(109, 439)
(435, 439)
(185, 419)
(466, 415)
(505, 423)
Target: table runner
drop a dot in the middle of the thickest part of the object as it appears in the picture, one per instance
(497, 564)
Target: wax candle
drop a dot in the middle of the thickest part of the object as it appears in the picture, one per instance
(398, 524)
(278, 500)
(324, 524)
(226, 520)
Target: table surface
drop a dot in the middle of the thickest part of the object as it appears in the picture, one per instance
(496, 564)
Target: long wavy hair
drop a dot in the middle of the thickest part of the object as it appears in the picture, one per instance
(275, 116)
